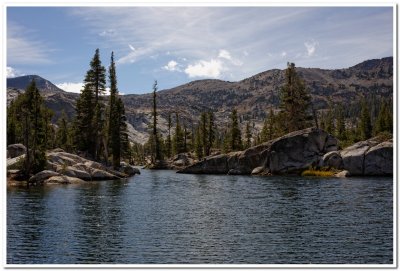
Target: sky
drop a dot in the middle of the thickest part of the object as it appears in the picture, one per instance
(176, 45)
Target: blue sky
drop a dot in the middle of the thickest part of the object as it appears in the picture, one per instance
(176, 45)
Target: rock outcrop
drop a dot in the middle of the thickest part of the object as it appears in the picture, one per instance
(13, 162)
(65, 168)
(369, 158)
(289, 154)
(76, 166)
(63, 180)
(40, 177)
(332, 159)
(181, 160)
(15, 150)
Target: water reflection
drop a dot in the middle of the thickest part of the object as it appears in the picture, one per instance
(100, 220)
(163, 217)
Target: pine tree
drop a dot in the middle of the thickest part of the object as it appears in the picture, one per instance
(365, 129)
(198, 147)
(62, 131)
(30, 116)
(248, 135)
(114, 121)
(295, 102)
(169, 143)
(95, 77)
(204, 132)
(156, 143)
(83, 133)
(384, 121)
(90, 119)
(211, 133)
(124, 144)
(12, 133)
(340, 131)
(235, 138)
(178, 137)
(269, 131)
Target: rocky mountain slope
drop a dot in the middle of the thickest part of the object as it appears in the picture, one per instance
(252, 97)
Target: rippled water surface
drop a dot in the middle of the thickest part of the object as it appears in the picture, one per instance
(160, 217)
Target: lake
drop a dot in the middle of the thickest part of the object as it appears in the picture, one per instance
(160, 217)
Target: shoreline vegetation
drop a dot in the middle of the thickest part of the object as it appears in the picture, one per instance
(94, 144)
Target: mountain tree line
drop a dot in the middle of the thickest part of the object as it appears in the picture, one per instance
(99, 128)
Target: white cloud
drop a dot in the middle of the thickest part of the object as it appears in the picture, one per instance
(202, 68)
(107, 33)
(311, 47)
(224, 54)
(200, 33)
(71, 87)
(11, 72)
(77, 87)
(133, 56)
(283, 54)
(171, 66)
(24, 49)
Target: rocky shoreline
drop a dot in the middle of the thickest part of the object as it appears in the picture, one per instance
(63, 168)
(290, 154)
(298, 151)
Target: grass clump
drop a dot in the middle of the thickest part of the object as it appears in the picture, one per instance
(317, 173)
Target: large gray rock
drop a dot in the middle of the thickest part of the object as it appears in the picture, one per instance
(353, 157)
(63, 180)
(40, 177)
(210, 165)
(297, 151)
(369, 158)
(332, 159)
(257, 171)
(379, 159)
(98, 174)
(73, 165)
(13, 162)
(72, 171)
(128, 169)
(291, 153)
(15, 150)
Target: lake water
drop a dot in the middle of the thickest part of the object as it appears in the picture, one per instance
(160, 217)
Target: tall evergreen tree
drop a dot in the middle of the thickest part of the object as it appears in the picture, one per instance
(384, 121)
(248, 135)
(211, 132)
(83, 132)
(62, 131)
(114, 111)
(156, 141)
(204, 132)
(365, 128)
(295, 101)
(269, 130)
(12, 124)
(169, 142)
(124, 144)
(178, 137)
(95, 77)
(198, 145)
(30, 116)
(235, 137)
(90, 119)
(340, 131)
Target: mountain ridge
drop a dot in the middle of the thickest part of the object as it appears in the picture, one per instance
(252, 96)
